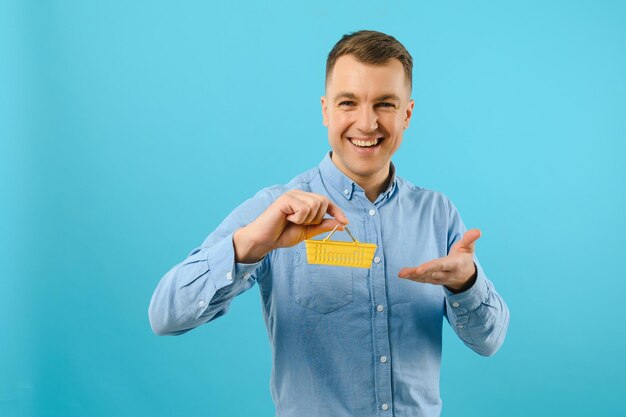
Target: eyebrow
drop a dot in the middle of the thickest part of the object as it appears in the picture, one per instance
(352, 96)
(344, 94)
(388, 97)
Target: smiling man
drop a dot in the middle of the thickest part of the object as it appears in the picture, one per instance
(348, 342)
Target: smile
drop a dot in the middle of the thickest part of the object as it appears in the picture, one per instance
(365, 143)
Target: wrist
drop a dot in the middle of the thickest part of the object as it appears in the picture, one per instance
(247, 250)
(466, 285)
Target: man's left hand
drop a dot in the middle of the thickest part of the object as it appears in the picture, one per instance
(456, 271)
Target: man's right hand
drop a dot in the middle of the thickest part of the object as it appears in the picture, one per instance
(293, 217)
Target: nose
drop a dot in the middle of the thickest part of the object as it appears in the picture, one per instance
(367, 120)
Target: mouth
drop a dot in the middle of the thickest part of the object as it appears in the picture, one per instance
(366, 143)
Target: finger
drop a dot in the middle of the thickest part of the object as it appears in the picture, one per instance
(337, 213)
(325, 226)
(429, 277)
(444, 264)
(432, 276)
(297, 210)
(467, 242)
(314, 206)
(315, 203)
(321, 212)
(437, 277)
(412, 272)
(470, 237)
(422, 269)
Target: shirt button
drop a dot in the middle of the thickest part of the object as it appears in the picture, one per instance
(229, 276)
(372, 212)
(455, 304)
(385, 407)
(346, 191)
(200, 303)
(380, 308)
(383, 359)
(460, 326)
(377, 260)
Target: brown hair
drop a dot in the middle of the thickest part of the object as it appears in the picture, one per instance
(371, 47)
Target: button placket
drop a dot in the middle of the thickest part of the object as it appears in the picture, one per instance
(383, 383)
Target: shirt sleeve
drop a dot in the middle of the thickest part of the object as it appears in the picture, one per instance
(479, 315)
(201, 288)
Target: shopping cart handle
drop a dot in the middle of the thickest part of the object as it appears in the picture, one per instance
(344, 228)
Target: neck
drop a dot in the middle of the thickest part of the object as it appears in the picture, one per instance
(373, 185)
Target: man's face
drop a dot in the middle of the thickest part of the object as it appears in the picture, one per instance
(366, 109)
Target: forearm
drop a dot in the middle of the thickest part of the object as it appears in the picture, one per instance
(199, 289)
(247, 250)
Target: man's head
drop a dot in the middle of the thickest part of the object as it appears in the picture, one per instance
(367, 104)
(371, 47)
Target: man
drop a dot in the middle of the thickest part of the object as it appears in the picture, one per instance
(348, 341)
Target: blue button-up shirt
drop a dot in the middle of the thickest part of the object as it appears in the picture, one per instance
(346, 341)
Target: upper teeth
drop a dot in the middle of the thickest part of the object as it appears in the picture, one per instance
(364, 143)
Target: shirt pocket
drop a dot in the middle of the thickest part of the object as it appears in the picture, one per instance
(322, 288)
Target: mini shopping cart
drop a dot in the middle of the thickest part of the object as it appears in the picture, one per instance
(351, 254)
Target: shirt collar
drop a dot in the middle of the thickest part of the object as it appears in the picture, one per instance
(344, 185)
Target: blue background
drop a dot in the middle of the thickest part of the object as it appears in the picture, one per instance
(129, 130)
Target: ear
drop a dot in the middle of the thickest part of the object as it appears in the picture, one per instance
(324, 111)
(409, 113)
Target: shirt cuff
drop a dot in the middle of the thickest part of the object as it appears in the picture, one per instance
(221, 261)
(471, 298)
(224, 269)
(245, 271)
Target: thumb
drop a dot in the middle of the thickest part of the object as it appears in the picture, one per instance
(468, 242)
(325, 226)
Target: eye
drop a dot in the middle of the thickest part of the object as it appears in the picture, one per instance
(347, 104)
(386, 105)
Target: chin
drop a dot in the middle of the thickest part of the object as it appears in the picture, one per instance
(364, 170)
